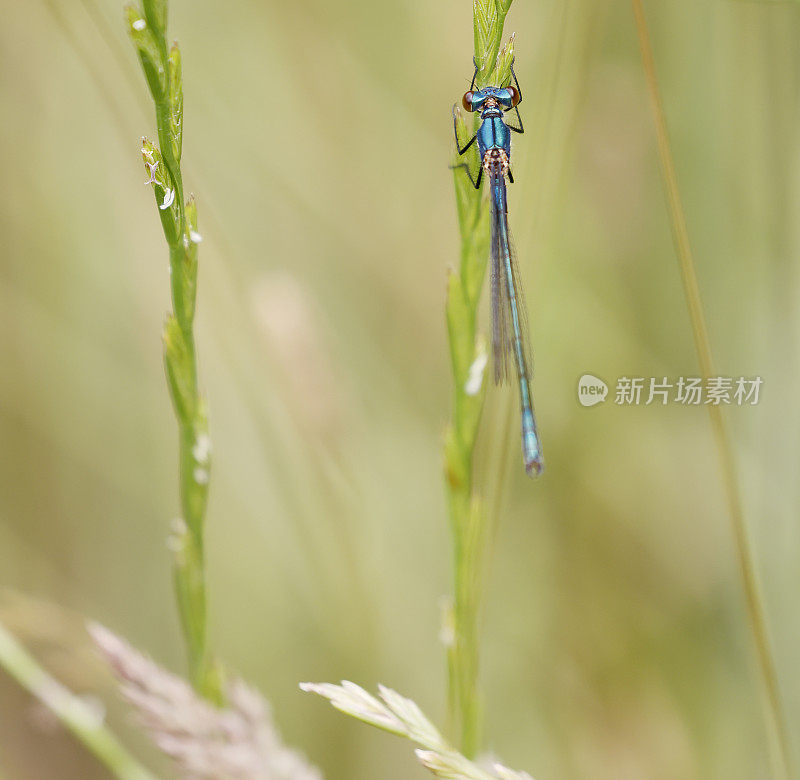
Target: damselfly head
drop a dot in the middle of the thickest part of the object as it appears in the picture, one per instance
(492, 98)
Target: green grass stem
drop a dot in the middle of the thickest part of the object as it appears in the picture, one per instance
(468, 355)
(161, 63)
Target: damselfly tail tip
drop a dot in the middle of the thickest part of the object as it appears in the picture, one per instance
(534, 466)
(531, 452)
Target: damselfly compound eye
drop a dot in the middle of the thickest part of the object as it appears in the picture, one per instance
(466, 101)
(514, 95)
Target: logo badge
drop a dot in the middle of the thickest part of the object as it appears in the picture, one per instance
(591, 390)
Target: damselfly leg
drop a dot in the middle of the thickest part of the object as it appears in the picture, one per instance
(462, 150)
(519, 129)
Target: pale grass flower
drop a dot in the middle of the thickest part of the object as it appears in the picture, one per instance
(476, 370)
(239, 741)
(169, 198)
(151, 167)
(401, 716)
(202, 448)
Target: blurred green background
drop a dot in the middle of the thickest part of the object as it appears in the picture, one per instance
(317, 138)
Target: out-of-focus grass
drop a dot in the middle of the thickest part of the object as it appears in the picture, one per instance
(615, 639)
(777, 728)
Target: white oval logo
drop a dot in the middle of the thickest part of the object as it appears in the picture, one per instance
(591, 390)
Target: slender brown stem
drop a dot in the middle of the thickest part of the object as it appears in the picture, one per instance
(744, 553)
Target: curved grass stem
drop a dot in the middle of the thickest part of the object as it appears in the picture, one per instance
(744, 554)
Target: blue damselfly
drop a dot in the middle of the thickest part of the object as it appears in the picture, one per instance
(509, 318)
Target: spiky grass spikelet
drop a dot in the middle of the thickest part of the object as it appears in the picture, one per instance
(239, 742)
